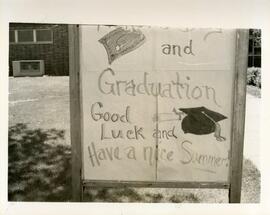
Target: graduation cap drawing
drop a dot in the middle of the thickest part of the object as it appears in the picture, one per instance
(121, 41)
(200, 121)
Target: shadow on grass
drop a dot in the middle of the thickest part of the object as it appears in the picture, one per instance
(112, 195)
(39, 168)
(134, 195)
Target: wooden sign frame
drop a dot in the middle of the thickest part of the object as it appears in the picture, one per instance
(238, 125)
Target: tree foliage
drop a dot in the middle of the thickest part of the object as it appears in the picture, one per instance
(256, 35)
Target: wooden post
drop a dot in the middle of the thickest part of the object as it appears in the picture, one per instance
(75, 112)
(238, 126)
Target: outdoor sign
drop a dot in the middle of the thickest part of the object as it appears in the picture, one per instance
(157, 105)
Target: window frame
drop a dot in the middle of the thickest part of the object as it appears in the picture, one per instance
(34, 32)
(252, 55)
(21, 30)
(43, 29)
(14, 34)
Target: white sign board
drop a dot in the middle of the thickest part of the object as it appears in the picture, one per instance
(156, 103)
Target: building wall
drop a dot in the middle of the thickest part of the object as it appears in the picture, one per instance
(55, 55)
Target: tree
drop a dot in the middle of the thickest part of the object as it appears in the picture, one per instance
(256, 35)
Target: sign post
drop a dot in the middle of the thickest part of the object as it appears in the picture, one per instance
(75, 112)
(239, 116)
(156, 107)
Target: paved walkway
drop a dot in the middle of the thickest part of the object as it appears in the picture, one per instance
(252, 130)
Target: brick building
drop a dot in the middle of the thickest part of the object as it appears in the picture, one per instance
(47, 42)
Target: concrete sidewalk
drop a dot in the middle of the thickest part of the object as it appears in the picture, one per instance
(252, 129)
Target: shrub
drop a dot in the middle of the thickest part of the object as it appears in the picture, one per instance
(254, 76)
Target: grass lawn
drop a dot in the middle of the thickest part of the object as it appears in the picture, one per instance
(40, 153)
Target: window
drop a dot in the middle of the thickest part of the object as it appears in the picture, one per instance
(12, 36)
(25, 36)
(31, 36)
(43, 35)
(30, 66)
(254, 52)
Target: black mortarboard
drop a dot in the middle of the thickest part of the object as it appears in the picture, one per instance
(200, 120)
